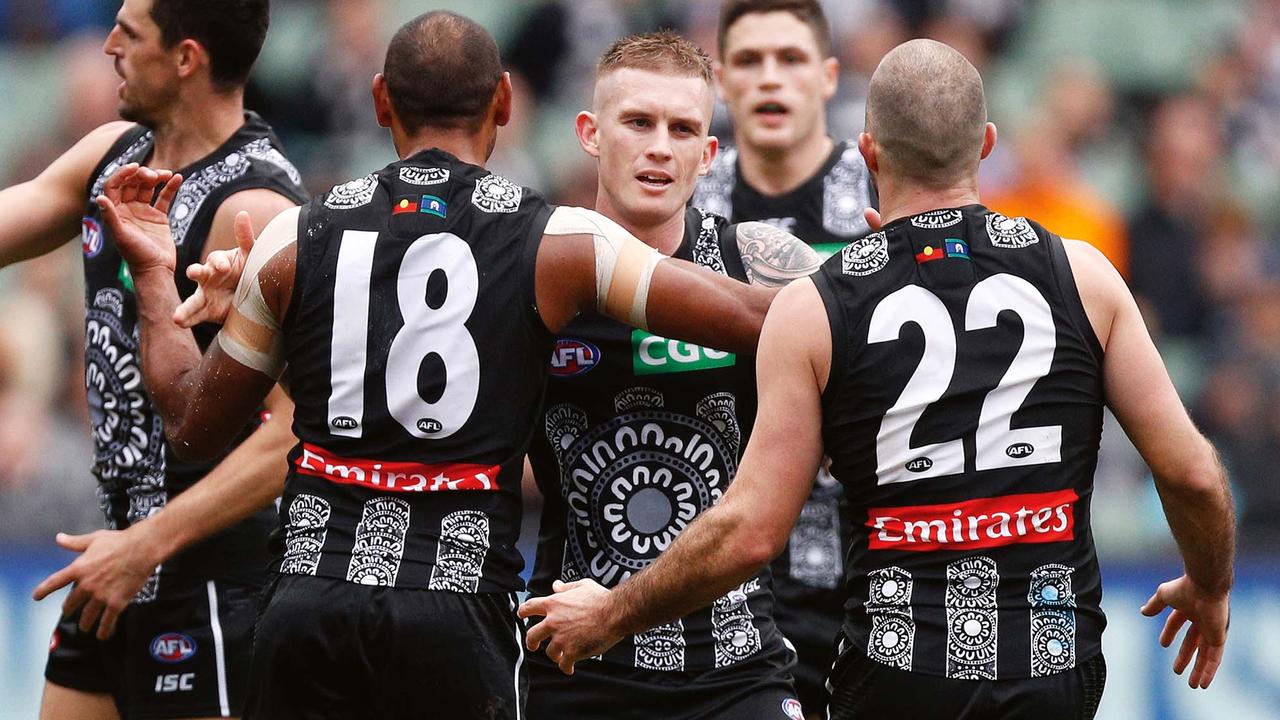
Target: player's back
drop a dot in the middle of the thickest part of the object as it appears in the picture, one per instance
(417, 363)
(963, 414)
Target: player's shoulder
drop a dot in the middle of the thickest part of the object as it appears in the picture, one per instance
(93, 148)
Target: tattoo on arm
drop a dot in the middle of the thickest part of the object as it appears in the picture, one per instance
(774, 257)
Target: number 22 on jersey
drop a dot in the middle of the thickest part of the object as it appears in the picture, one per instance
(997, 444)
(433, 325)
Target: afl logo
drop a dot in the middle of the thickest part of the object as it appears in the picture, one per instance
(573, 357)
(919, 465)
(90, 237)
(343, 422)
(173, 648)
(1019, 450)
(430, 425)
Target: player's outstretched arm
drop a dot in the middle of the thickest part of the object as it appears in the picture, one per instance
(113, 565)
(586, 261)
(1192, 484)
(203, 400)
(44, 212)
(749, 526)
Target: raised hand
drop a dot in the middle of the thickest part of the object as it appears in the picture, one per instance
(139, 216)
(112, 567)
(216, 279)
(575, 622)
(1206, 638)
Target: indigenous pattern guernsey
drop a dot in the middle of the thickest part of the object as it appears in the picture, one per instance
(417, 361)
(963, 416)
(826, 212)
(135, 468)
(640, 435)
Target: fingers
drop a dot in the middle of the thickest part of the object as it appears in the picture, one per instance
(1155, 604)
(79, 543)
(533, 607)
(1189, 644)
(190, 312)
(117, 181)
(243, 229)
(168, 192)
(537, 635)
(89, 616)
(872, 217)
(1207, 662)
(1171, 627)
(562, 586)
(54, 582)
(107, 625)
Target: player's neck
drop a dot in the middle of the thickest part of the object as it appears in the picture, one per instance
(778, 171)
(665, 236)
(468, 147)
(905, 199)
(196, 128)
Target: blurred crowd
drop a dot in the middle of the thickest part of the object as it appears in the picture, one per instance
(1148, 127)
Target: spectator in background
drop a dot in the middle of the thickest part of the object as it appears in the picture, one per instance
(1184, 170)
(1048, 185)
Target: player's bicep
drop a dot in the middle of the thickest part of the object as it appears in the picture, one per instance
(1141, 394)
(262, 205)
(772, 256)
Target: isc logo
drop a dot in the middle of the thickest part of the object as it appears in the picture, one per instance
(172, 647)
(175, 682)
(573, 357)
(652, 355)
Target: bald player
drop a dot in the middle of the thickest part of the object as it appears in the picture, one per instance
(415, 309)
(955, 365)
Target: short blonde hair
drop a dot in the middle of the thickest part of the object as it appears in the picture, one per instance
(663, 51)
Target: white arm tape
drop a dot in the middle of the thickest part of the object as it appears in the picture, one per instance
(270, 363)
(278, 235)
(624, 265)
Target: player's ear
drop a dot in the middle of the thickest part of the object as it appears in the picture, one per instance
(190, 55)
(830, 78)
(502, 100)
(867, 146)
(381, 100)
(988, 140)
(709, 150)
(588, 131)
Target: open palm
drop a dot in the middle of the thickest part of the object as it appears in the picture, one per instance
(139, 217)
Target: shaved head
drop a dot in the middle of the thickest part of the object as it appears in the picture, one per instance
(927, 112)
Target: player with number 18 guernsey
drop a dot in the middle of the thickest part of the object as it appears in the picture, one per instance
(397, 372)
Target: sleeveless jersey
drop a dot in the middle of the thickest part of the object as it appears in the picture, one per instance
(963, 416)
(135, 468)
(826, 213)
(639, 436)
(417, 362)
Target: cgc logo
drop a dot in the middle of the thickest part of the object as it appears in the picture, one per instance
(173, 647)
(90, 237)
(573, 357)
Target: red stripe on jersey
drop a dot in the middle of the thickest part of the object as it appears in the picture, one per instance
(395, 476)
(983, 523)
